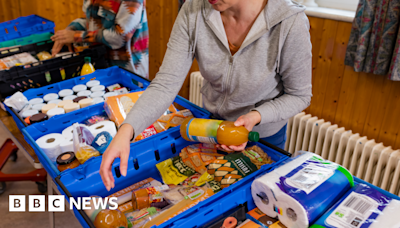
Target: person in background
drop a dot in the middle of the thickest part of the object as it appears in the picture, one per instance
(255, 56)
(121, 25)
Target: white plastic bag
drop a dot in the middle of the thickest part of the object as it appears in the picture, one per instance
(17, 101)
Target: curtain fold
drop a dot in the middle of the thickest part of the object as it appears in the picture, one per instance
(374, 41)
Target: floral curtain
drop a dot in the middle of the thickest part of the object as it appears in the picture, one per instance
(374, 41)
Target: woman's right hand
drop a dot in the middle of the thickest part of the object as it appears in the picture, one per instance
(118, 148)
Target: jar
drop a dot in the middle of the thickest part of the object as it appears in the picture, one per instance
(67, 160)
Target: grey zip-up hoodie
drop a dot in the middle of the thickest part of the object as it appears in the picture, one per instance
(271, 72)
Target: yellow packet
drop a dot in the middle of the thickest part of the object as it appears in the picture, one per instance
(174, 170)
(206, 177)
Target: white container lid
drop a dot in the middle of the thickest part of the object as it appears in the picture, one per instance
(79, 88)
(97, 94)
(84, 93)
(38, 107)
(55, 111)
(97, 100)
(50, 96)
(98, 88)
(110, 94)
(72, 97)
(65, 92)
(56, 101)
(28, 113)
(35, 101)
(92, 83)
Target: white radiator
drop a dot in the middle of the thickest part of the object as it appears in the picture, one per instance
(366, 159)
(196, 82)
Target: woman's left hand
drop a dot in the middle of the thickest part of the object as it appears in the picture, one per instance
(248, 121)
(65, 36)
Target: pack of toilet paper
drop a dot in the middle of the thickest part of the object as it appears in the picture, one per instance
(362, 207)
(301, 190)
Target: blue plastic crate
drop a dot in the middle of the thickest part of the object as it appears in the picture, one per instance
(86, 181)
(25, 26)
(57, 124)
(106, 77)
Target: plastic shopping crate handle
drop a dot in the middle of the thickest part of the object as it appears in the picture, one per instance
(272, 146)
(68, 194)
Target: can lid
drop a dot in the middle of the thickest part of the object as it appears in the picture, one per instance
(254, 136)
(66, 158)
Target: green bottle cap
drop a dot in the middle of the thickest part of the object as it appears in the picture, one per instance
(254, 136)
(88, 59)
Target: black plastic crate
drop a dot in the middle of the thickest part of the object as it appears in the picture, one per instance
(33, 75)
(33, 49)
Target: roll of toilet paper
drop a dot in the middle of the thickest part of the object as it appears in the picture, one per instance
(48, 107)
(300, 191)
(67, 145)
(107, 126)
(362, 206)
(68, 133)
(92, 83)
(50, 144)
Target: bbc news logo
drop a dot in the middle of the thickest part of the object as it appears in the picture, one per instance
(56, 203)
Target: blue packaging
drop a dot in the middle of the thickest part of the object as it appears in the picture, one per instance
(362, 207)
(101, 141)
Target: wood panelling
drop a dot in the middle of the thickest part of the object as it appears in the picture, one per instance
(364, 103)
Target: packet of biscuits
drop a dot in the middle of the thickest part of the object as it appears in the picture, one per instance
(118, 107)
(199, 156)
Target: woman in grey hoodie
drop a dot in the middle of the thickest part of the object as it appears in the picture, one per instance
(255, 56)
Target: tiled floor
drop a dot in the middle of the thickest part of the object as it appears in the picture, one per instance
(27, 219)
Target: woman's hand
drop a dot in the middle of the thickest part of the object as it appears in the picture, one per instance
(57, 48)
(248, 121)
(65, 36)
(118, 148)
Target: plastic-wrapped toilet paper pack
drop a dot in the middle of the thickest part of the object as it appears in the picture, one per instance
(301, 190)
(363, 207)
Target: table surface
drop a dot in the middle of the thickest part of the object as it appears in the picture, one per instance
(12, 127)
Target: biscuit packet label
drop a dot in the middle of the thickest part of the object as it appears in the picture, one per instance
(231, 168)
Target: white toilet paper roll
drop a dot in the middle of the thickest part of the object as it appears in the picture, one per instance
(107, 126)
(55, 111)
(50, 144)
(67, 145)
(28, 113)
(67, 132)
(38, 107)
(69, 97)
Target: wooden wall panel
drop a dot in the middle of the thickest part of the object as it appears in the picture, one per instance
(364, 103)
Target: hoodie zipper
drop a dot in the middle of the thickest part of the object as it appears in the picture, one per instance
(225, 85)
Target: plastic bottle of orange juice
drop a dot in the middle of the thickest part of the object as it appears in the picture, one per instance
(87, 68)
(216, 132)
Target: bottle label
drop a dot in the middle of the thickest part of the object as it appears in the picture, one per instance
(203, 130)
